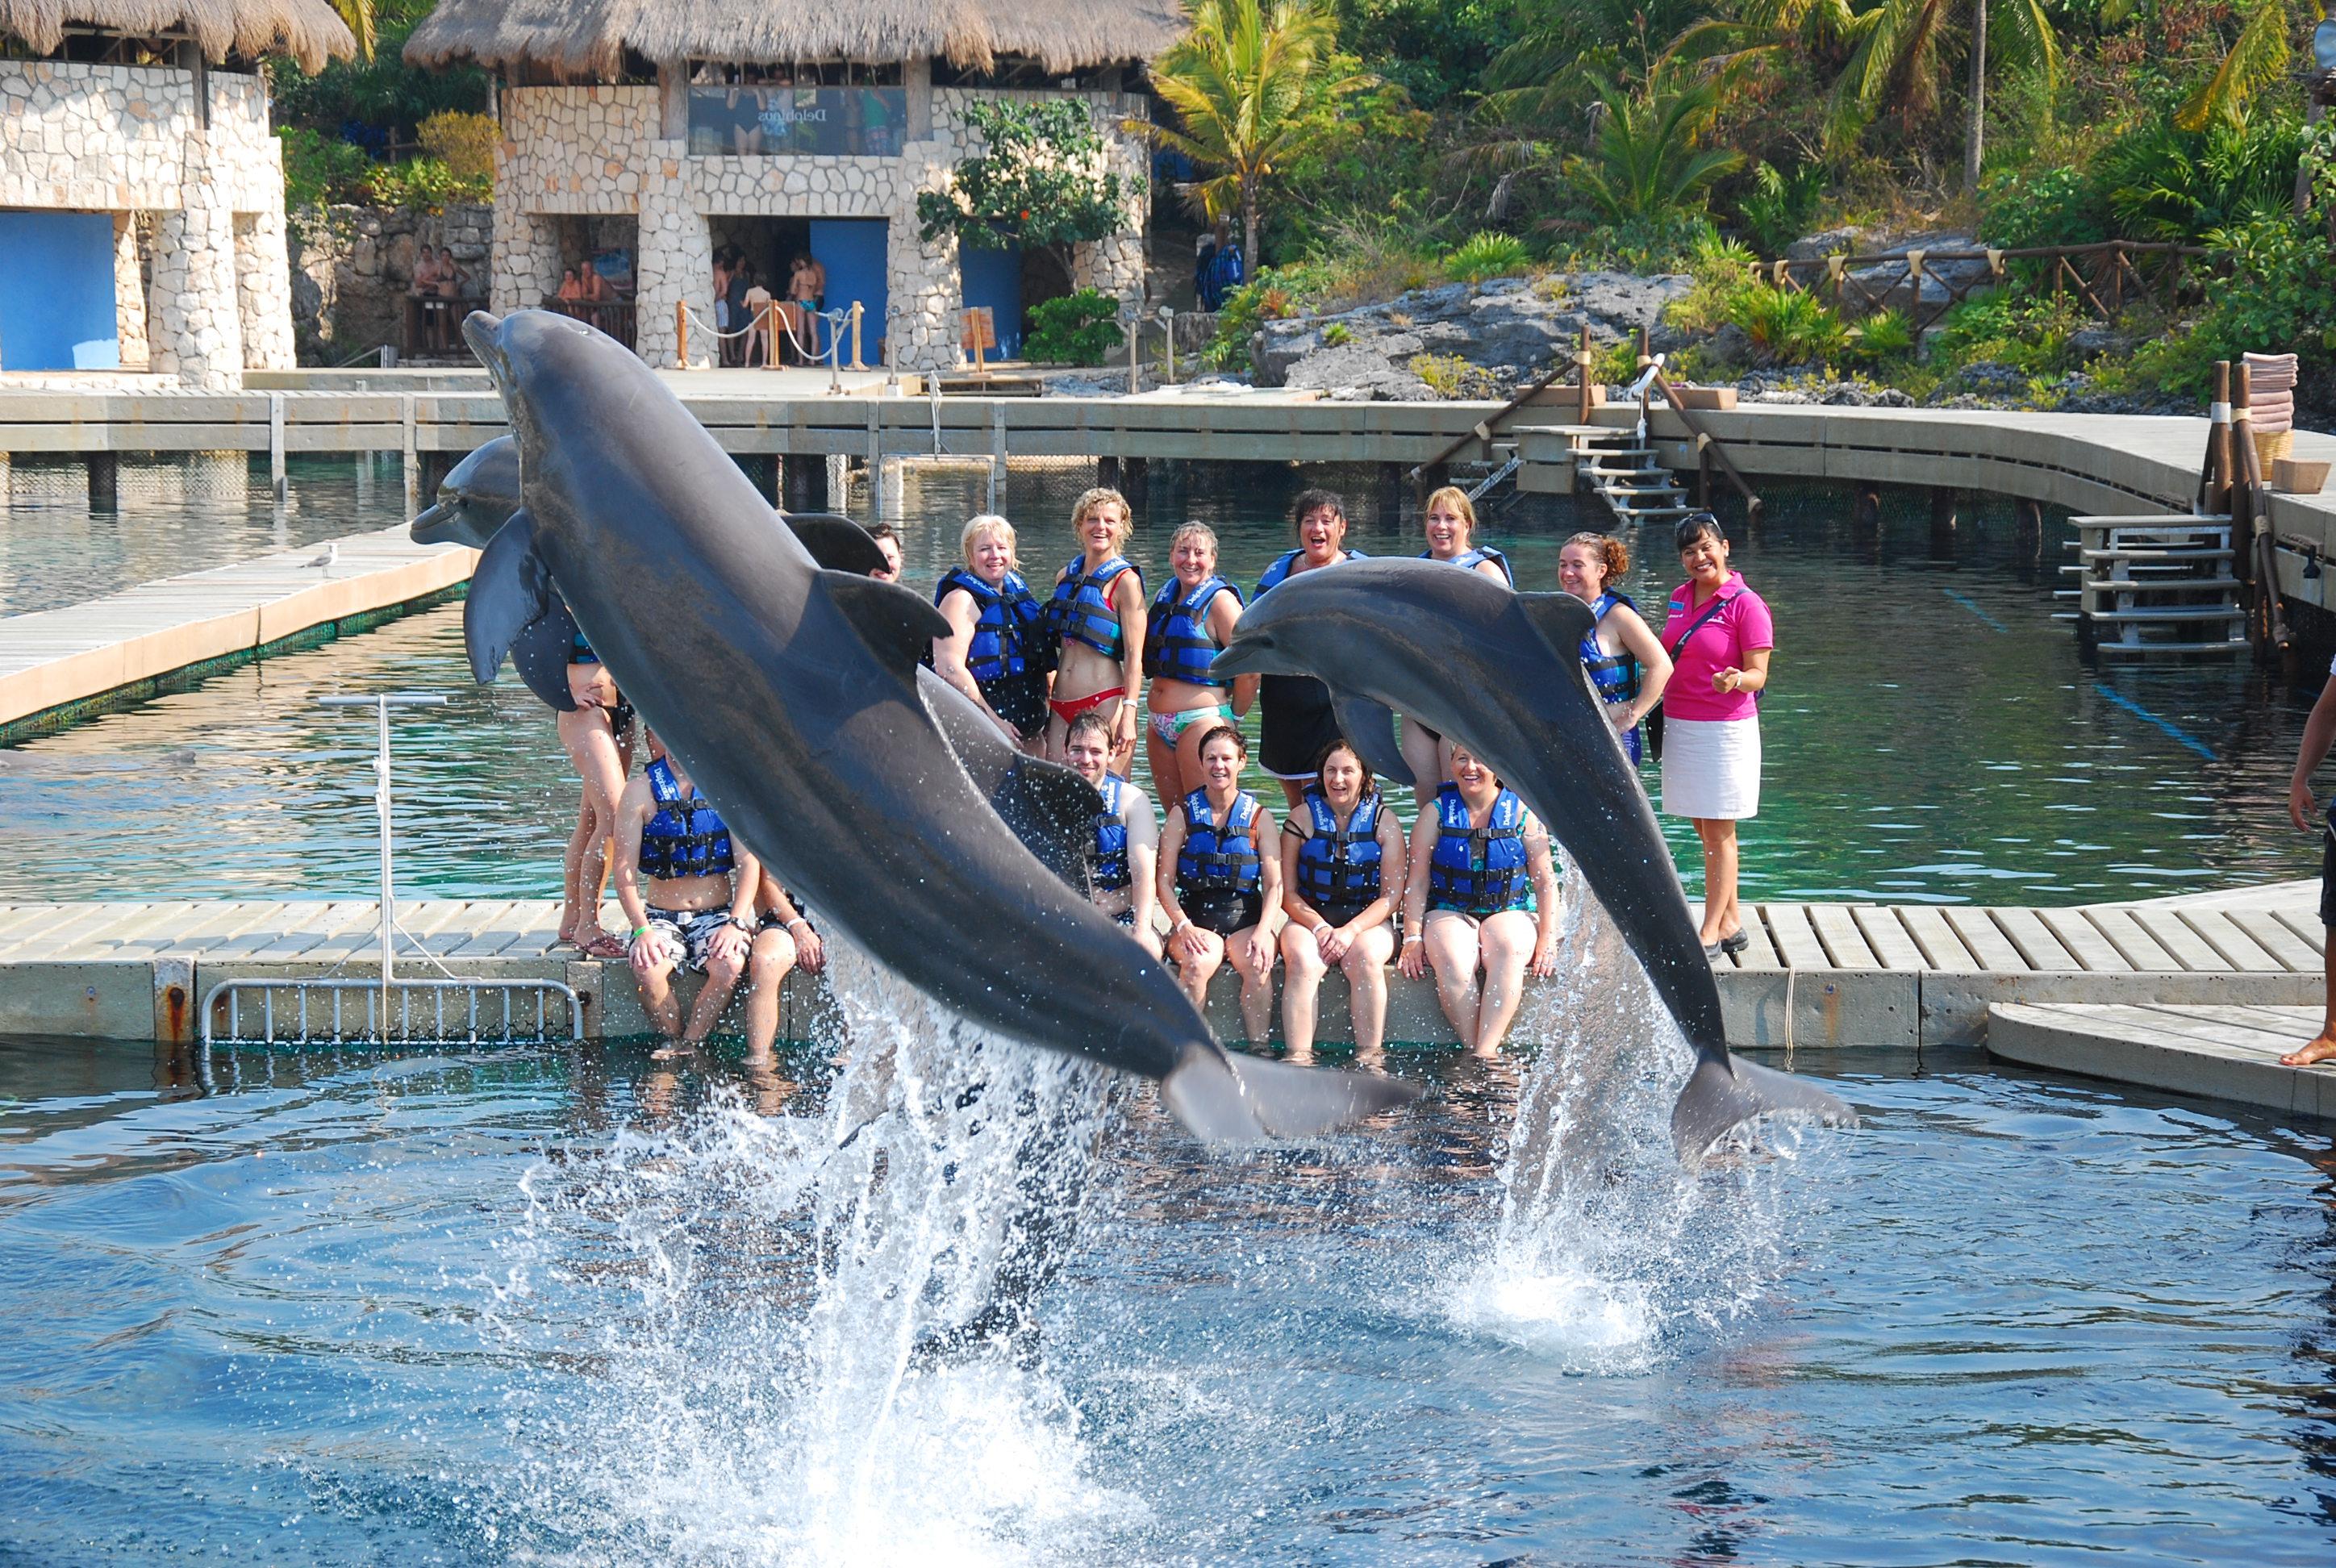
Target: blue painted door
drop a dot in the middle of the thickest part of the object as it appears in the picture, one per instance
(994, 278)
(56, 291)
(852, 251)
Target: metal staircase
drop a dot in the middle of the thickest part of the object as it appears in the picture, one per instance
(1620, 466)
(2160, 584)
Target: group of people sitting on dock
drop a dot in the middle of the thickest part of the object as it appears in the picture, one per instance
(1468, 894)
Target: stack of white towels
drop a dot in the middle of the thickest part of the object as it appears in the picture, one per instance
(2271, 393)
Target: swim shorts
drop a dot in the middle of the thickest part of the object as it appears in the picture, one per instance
(685, 935)
(2328, 870)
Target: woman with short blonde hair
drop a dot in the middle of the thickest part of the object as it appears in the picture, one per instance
(997, 652)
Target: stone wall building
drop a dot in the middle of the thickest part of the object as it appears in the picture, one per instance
(142, 192)
(773, 132)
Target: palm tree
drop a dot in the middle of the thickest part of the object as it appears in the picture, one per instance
(1897, 61)
(2258, 58)
(358, 14)
(1255, 83)
(1644, 163)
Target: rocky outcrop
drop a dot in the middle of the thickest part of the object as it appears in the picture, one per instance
(352, 267)
(1462, 339)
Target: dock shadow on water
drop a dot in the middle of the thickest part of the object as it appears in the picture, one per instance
(1606, 1255)
(819, 1341)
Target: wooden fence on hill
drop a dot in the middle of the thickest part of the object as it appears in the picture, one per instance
(2107, 277)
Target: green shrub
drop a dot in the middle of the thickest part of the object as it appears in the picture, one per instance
(2051, 206)
(1487, 255)
(2028, 331)
(319, 169)
(1449, 375)
(422, 182)
(1336, 335)
(2166, 183)
(2275, 301)
(1882, 337)
(1080, 329)
(1786, 327)
(1781, 206)
(465, 142)
(1723, 272)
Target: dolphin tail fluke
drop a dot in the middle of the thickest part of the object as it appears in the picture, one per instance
(510, 591)
(1725, 1091)
(1228, 1099)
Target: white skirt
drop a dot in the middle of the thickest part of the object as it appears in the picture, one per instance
(1711, 769)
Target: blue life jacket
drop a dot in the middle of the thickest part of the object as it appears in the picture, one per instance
(1214, 859)
(1614, 676)
(1279, 571)
(1010, 635)
(1470, 559)
(1177, 642)
(1337, 868)
(686, 838)
(1081, 609)
(1111, 871)
(1479, 870)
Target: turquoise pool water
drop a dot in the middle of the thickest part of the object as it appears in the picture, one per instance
(1933, 734)
(170, 520)
(578, 1307)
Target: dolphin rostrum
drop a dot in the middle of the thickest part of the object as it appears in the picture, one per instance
(1502, 672)
(790, 694)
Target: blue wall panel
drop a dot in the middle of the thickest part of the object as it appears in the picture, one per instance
(994, 278)
(852, 251)
(56, 291)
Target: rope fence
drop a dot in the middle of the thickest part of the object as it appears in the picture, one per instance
(773, 322)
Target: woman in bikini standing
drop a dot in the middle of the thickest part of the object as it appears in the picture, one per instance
(1097, 616)
(1189, 621)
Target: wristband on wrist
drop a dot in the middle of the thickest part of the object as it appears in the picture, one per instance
(639, 932)
(798, 921)
(1178, 927)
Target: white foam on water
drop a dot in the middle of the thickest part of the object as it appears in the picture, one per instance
(1606, 1255)
(751, 1390)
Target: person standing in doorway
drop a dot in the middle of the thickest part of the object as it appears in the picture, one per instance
(1719, 635)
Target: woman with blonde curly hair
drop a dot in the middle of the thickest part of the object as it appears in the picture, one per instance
(1097, 616)
(1449, 521)
(997, 652)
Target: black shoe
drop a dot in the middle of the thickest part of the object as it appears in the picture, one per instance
(1736, 943)
(1712, 950)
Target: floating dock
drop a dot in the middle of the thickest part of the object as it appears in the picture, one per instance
(1815, 976)
(2222, 1053)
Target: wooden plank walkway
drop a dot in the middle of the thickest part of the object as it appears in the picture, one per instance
(1813, 976)
(2227, 1052)
(54, 663)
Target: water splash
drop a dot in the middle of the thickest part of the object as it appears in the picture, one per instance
(813, 1335)
(1606, 1251)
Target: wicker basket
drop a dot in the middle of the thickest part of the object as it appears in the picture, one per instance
(2273, 445)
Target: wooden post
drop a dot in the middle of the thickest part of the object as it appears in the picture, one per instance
(681, 335)
(1390, 492)
(805, 476)
(1582, 359)
(413, 454)
(857, 310)
(1942, 523)
(276, 480)
(1642, 348)
(105, 481)
(1136, 480)
(997, 453)
(2218, 440)
(1107, 473)
(1865, 504)
(1703, 472)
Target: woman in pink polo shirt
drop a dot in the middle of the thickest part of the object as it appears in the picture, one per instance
(1719, 634)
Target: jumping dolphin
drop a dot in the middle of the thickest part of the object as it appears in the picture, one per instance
(790, 694)
(477, 496)
(1502, 672)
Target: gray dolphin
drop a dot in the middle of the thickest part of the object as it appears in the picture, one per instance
(791, 695)
(1502, 671)
(475, 499)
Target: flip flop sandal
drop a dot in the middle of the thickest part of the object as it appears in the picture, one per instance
(603, 946)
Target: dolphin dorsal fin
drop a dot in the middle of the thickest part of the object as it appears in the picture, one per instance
(835, 541)
(1561, 619)
(898, 625)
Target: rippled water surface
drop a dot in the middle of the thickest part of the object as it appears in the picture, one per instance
(1931, 733)
(553, 1307)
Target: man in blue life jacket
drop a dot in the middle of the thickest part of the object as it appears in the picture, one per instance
(688, 894)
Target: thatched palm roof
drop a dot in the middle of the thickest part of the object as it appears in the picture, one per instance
(307, 30)
(590, 37)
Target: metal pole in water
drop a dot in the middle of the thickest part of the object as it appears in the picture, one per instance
(381, 703)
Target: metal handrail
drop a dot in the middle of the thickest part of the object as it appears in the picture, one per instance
(1705, 440)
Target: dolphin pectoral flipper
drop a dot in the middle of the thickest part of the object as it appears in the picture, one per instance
(1725, 1091)
(1225, 1098)
(1369, 727)
(541, 653)
(1053, 811)
(835, 541)
(898, 625)
(510, 591)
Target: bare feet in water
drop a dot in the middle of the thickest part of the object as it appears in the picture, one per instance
(673, 1052)
(2322, 1049)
